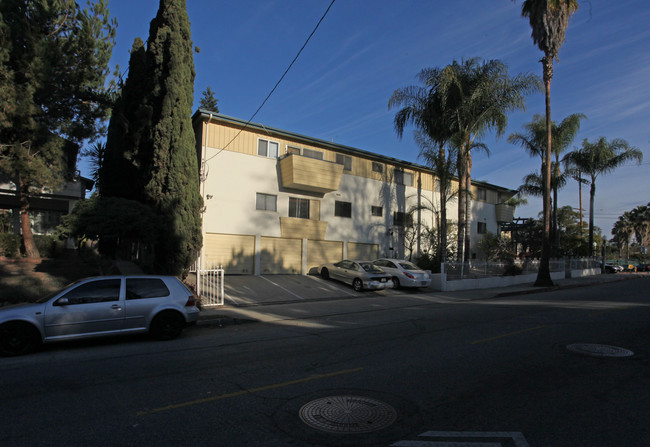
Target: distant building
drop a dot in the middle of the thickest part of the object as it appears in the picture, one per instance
(279, 202)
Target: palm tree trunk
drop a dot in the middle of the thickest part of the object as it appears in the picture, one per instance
(592, 195)
(31, 251)
(461, 208)
(468, 206)
(554, 224)
(443, 205)
(544, 273)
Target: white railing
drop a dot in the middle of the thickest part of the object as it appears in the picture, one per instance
(210, 285)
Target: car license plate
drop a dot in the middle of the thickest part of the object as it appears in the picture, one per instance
(423, 283)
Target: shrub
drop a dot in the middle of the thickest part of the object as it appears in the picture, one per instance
(10, 244)
(48, 246)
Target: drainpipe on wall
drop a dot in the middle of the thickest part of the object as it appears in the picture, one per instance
(202, 180)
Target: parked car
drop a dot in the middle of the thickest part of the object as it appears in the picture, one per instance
(643, 267)
(360, 274)
(405, 273)
(609, 268)
(100, 306)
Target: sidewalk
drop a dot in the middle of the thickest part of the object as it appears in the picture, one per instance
(294, 300)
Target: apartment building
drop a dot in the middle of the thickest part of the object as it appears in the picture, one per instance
(279, 202)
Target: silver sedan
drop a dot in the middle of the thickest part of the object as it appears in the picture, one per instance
(362, 275)
(405, 274)
(100, 306)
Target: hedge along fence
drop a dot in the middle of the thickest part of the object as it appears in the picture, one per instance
(11, 245)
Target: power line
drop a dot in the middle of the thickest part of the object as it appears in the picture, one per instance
(277, 83)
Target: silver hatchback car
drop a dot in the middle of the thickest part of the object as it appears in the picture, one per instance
(100, 306)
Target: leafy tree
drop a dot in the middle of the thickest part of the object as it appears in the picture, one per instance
(623, 231)
(53, 67)
(423, 107)
(534, 141)
(208, 101)
(480, 95)
(128, 131)
(640, 217)
(600, 157)
(549, 20)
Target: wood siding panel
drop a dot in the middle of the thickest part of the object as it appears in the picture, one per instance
(363, 252)
(236, 253)
(293, 227)
(322, 252)
(280, 255)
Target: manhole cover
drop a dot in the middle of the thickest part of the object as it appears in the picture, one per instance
(347, 414)
(599, 350)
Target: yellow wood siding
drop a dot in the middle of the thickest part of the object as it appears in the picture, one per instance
(365, 252)
(293, 227)
(322, 252)
(309, 174)
(236, 253)
(280, 255)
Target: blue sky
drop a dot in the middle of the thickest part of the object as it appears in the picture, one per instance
(339, 87)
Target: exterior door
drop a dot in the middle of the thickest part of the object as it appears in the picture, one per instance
(93, 307)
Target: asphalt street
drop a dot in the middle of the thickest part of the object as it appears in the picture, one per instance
(428, 370)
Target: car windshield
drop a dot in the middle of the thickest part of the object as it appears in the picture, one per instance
(56, 292)
(370, 267)
(408, 266)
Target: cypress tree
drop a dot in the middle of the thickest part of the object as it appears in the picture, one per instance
(168, 158)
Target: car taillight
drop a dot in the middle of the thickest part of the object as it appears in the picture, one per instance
(191, 301)
(408, 275)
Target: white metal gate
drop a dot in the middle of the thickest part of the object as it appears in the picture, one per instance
(209, 285)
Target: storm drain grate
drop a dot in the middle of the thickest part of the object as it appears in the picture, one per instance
(347, 414)
(599, 350)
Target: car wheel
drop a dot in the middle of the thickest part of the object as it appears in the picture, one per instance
(357, 285)
(167, 325)
(325, 274)
(395, 282)
(18, 338)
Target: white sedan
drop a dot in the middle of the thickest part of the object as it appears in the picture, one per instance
(404, 273)
(363, 275)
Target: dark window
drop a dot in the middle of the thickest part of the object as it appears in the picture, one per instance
(403, 178)
(402, 219)
(99, 291)
(481, 194)
(137, 288)
(267, 148)
(344, 160)
(299, 208)
(265, 202)
(377, 167)
(312, 154)
(482, 228)
(342, 209)
(376, 211)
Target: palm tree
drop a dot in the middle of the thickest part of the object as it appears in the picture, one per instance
(534, 141)
(600, 157)
(623, 230)
(423, 106)
(479, 95)
(548, 20)
(640, 217)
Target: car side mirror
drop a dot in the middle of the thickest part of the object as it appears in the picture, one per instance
(62, 302)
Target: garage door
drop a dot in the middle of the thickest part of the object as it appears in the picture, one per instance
(280, 255)
(366, 252)
(322, 252)
(236, 253)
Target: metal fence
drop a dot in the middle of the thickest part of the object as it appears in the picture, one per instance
(477, 270)
(210, 285)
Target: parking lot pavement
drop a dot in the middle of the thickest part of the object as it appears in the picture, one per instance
(245, 290)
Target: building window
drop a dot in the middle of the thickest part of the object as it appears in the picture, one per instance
(482, 228)
(266, 202)
(401, 219)
(376, 211)
(377, 167)
(299, 208)
(403, 178)
(344, 160)
(342, 209)
(481, 194)
(318, 155)
(267, 148)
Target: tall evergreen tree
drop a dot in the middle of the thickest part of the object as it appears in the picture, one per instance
(168, 158)
(53, 67)
(208, 101)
